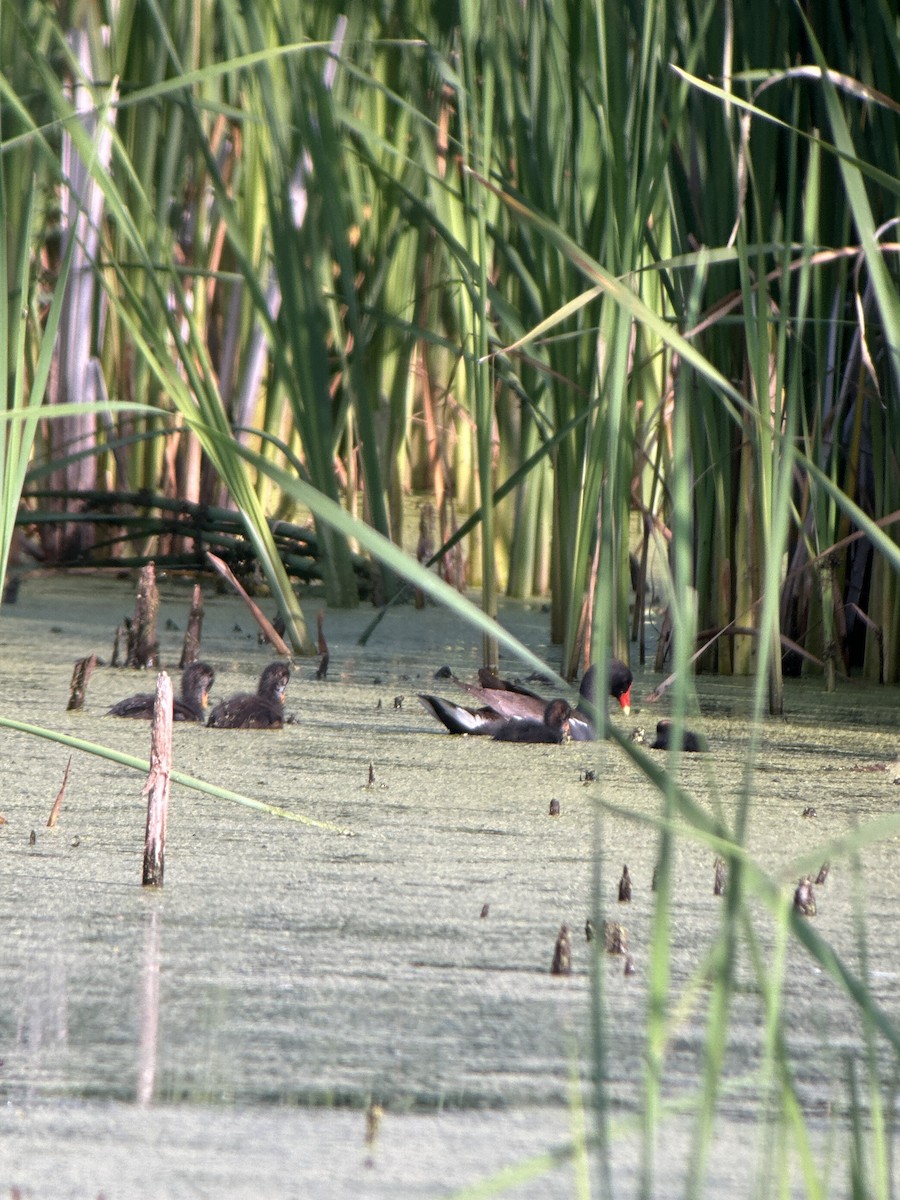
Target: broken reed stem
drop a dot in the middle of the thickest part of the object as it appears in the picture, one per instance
(322, 671)
(57, 803)
(190, 650)
(262, 621)
(120, 637)
(81, 676)
(562, 953)
(156, 788)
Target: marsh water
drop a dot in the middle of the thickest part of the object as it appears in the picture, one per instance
(225, 1035)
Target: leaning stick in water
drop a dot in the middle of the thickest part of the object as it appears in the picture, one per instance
(262, 621)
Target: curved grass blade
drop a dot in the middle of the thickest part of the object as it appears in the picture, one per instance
(189, 781)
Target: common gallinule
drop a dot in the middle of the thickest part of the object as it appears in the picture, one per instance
(511, 702)
(690, 741)
(262, 709)
(196, 681)
(554, 726)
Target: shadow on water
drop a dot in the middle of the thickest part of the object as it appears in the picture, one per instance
(241, 1020)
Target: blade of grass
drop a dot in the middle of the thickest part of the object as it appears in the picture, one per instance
(188, 781)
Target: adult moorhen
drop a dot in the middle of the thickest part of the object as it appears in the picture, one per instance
(511, 702)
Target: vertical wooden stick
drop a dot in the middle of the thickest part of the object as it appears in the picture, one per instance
(121, 638)
(425, 547)
(190, 651)
(143, 650)
(81, 674)
(156, 788)
(562, 953)
(57, 804)
(322, 672)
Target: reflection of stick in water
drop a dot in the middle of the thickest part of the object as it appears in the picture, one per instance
(149, 1027)
(374, 1113)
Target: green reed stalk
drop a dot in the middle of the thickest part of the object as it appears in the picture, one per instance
(476, 113)
(25, 369)
(682, 599)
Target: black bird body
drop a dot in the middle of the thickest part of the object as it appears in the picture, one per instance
(196, 681)
(504, 705)
(262, 709)
(553, 727)
(691, 742)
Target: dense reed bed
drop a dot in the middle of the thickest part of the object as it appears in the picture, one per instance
(566, 272)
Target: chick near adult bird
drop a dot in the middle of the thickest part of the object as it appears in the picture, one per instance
(262, 709)
(196, 681)
(501, 701)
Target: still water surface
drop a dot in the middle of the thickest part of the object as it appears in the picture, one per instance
(228, 1032)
